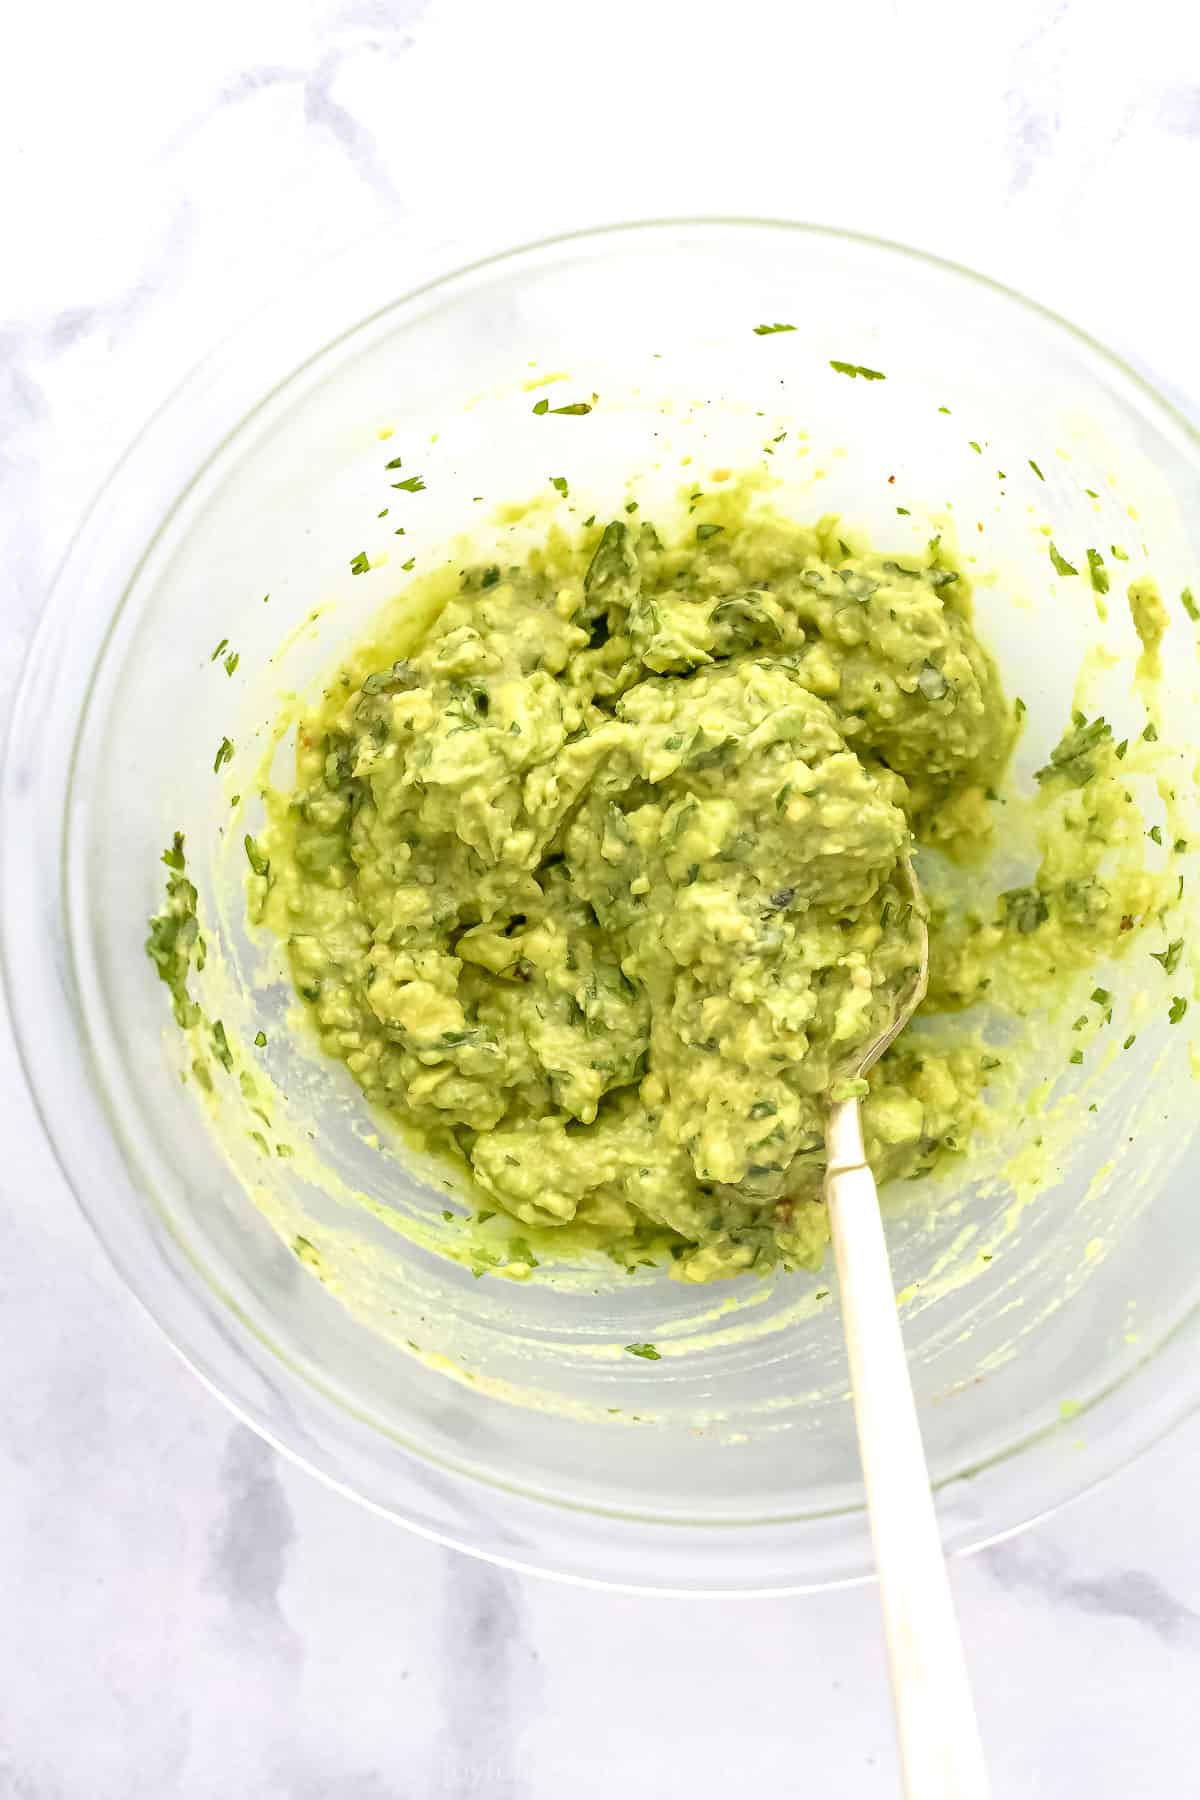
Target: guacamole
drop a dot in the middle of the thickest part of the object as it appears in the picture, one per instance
(600, 887)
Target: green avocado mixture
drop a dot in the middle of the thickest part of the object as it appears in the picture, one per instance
(600, 888)
(594, 876)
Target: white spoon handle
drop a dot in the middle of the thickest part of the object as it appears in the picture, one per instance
(940, 1752)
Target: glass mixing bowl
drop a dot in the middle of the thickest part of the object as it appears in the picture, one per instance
(507, 1418)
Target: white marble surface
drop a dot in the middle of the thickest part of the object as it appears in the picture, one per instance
(183, 1613)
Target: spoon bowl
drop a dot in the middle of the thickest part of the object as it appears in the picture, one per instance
(915, 992)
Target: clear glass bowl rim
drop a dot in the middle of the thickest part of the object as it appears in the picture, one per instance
(1145, 1420)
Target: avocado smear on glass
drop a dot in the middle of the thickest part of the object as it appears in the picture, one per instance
(598, 888)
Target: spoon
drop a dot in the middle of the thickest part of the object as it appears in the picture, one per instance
(941, 1756)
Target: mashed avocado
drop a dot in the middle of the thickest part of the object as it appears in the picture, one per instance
(600, 890)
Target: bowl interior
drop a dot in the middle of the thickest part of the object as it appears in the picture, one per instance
(508, 1415)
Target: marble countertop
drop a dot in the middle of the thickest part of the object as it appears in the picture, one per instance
(184, 1613)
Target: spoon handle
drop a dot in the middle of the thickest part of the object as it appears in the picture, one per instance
(940, 1752)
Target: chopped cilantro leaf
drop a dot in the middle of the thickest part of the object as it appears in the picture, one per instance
(560, 483)
(1072, 755)
(707, 531)
(1062, 566)
(360, 563)
(1177, 1009)
(1169, 958)
(854, 370)
(174, 942)
(1036, 470)
(413, 485)
(647, 1351)
(767, 330)
(224, 754)
(258, 862)
(1097, 571)
(1189, 604)
(1025, 909)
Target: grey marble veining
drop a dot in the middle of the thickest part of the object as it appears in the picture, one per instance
(185, 1614)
